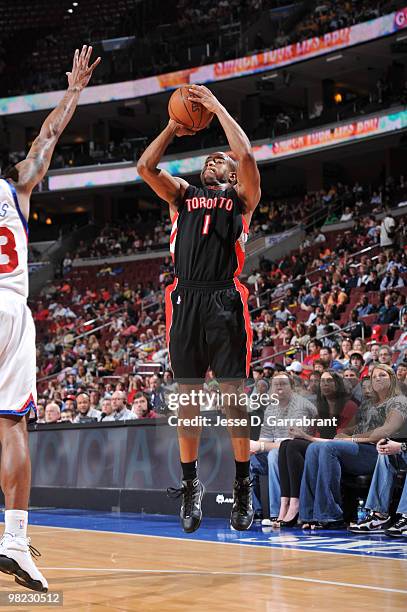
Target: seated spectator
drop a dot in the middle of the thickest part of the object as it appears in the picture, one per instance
(401, 374)
(356, 360)
(107, 408)
(388, 313)
(392, 280)
(351, 376)
(392, 455)
(40, 411)
(282, 313)
(385, 355)
(364, 307)
(346, 347)
(156, 395)
(141, 407)
(67, 416)
(314, 348)
(264, 452)
(86, 414)
(320, 487)
(333, 404)
(52, 413)
(120, 412)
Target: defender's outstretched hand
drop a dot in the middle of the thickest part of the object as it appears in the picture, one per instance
(200, 93)
(81, 72)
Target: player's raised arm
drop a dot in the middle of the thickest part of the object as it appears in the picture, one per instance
(248, 185)
(168, 188)
(33, 169)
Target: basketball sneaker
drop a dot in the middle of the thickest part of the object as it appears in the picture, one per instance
(399, 529)
(16, 558)
(373, 523)
(192, 492)
(242, 514)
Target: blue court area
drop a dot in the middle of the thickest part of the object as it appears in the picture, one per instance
(218, 530)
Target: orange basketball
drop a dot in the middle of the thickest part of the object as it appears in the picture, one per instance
(192, 115)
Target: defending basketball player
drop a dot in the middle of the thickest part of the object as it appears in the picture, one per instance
(208, 322)
(17, 332)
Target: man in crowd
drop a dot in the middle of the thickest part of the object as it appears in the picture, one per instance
(52, 413)
(86, 414)
(107, 408)
(156, 394)
(120, 411)
(141, 407)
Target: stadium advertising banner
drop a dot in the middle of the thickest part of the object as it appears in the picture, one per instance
(300, 144)
(243, 66)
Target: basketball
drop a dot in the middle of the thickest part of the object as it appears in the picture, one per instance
(192, 115)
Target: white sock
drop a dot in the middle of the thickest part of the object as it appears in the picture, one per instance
(15, 521)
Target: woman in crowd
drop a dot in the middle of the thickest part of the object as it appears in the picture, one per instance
(320, 495)
(332, 403)
(346, 347)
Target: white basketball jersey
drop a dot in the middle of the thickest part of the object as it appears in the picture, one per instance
(13, 243)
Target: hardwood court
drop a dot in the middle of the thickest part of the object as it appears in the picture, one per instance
(114, 571)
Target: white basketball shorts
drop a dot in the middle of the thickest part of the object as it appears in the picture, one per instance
(18, 393)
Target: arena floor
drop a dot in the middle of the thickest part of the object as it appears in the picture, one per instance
(110, 561)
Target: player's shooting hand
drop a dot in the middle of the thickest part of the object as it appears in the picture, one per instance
(181, 130)
(203, 95)
(81, 72)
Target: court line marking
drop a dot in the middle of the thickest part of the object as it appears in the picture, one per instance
(248, 545)
(240, 574)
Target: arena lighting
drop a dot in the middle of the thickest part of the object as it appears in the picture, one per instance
(338, 98)
(35, 216)
(48, 221)
(400, 38)
(74, 4)
(333, 58)
(267, 77)
(70, 10)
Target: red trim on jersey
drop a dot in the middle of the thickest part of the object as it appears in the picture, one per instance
(245, 225)
(173, 235)
(244, 294)
(168, 311)
(240, 254)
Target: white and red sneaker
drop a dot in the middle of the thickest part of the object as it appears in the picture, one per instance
(16, 558)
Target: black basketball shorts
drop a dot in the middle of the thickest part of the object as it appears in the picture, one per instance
(208, 326)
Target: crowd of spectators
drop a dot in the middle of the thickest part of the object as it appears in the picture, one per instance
(158, 31)
(360, 204)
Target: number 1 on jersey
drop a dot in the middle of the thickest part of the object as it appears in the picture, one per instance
(205, 229)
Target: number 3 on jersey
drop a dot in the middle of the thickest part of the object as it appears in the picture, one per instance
(205, 229)
(8, 251)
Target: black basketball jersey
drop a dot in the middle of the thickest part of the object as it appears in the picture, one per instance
(208, 235)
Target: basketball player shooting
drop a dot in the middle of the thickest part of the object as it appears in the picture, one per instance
(208, 322)
(17, 332)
